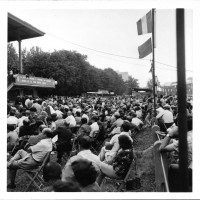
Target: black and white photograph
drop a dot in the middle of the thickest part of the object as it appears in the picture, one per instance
(99, 99)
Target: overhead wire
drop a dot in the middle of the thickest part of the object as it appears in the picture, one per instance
(112, 54)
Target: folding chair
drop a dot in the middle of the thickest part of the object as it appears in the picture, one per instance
(121, 183)
(35, 175)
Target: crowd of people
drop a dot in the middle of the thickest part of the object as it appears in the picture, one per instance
(101, 129)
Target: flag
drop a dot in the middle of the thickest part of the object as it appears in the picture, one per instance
(144, 25)
(145, 49)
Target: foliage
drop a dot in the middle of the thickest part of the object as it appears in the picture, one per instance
(13, 59)
(130, 84)
(74, 74)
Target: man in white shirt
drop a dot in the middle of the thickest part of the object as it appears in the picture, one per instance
(12, 120)
(94, 126)
(137, 122)
(70, 119)
(165, 117)
(85, 152)
(31, 158)
(21, 119)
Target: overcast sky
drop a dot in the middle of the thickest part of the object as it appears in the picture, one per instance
(113, 32)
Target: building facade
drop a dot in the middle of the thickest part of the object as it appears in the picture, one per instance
(171, 88)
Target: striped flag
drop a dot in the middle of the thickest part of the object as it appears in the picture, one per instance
(144, 25)
(145, 49)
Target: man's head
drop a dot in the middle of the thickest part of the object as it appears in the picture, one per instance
(94, 118)
(84, 172)
(52, 171)
(10, 127)
(78, 114)
(167, 107)
(85, 142)
(69, 113)
(66, 186)
(125, 142)
(33, 110)
(117, 115)
(26, 122)
(47, 132)
(125, 126)
(41, 127)
(12, 112)
(84, 120)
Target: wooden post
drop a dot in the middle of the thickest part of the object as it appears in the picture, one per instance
(182, 115)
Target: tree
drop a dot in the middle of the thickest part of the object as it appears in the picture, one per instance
(13, 59)
(72, 71)
(130, 84)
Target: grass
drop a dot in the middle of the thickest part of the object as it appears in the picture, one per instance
(144, 170)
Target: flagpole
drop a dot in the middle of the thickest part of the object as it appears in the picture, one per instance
(153, 62)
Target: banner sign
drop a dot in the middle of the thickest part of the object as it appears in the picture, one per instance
(34, 81)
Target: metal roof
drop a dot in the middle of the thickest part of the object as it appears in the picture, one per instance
(20, 30)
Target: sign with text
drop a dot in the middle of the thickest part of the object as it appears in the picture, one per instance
(34, 81)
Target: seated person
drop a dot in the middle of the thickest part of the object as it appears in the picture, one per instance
(115, 128)
(166, 146)
(85, 174)
(94, 126)
(70, 119)
(66, 186)
(85, 129)
(109, 151)
(84, 145)
(34, 139)
(63, 143)
(121, 162)
(29, 159)
(12, 137)
(136, 121)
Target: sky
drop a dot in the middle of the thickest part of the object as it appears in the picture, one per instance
(113, 31)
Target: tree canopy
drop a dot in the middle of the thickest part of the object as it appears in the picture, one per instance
(74, 74)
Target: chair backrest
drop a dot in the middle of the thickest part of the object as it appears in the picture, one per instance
(46, 159)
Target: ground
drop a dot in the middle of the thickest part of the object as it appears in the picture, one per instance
(144, 168)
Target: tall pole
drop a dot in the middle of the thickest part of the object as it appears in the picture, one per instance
(153, 63)
(182, 115)
(20, 57)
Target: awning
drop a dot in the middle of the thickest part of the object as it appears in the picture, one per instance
(20, 30)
